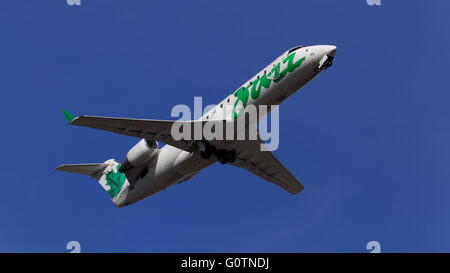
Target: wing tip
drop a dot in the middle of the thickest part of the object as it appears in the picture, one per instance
(69, 117)
(297, 189)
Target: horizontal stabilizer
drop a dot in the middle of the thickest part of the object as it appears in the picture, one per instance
(85, 169)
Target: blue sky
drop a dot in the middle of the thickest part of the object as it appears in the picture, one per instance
(369, 138)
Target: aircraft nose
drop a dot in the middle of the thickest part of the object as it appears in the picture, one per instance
(325, 56)
(330, 50)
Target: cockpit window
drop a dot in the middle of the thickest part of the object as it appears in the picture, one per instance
(294, 49)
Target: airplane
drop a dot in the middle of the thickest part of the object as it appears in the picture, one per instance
(148, 169)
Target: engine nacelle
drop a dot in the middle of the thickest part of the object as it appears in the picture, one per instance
(139, 155)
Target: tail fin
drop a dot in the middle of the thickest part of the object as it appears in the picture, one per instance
(107, 174)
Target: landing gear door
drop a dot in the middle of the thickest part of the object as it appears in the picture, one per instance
(325, 62)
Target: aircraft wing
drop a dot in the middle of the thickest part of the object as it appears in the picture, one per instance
(160, 130)
(249, 155)
(264, 164)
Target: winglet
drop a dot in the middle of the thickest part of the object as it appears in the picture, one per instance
(69, 117)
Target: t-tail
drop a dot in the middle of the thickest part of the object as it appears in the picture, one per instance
(115, 183)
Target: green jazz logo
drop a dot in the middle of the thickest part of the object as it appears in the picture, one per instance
(114, 181)
(254, 88)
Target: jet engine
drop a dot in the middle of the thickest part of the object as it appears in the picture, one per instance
(141, 154)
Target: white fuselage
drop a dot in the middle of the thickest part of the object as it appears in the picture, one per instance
(172, 165)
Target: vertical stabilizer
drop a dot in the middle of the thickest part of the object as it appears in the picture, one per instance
(107, 174)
